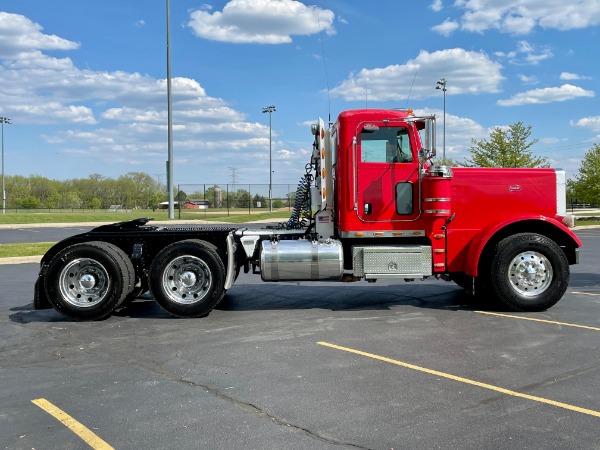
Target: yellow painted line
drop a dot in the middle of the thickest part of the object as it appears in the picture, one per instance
(491, 387)
(532, 319)
(585, 293)
(76, 427)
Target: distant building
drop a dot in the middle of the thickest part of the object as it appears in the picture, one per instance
(188, 204)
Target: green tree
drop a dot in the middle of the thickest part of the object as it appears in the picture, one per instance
(181, 196)
(259, 199)
(17, 189)
(242, 198)
(586, 187)
(30, 202)
(42, 188)
(507, 147)
(156, 199)
(439, 161)
(53, 201)
(71, 200)
(94, 203)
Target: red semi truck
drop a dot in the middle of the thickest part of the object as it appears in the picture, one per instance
(371, 205)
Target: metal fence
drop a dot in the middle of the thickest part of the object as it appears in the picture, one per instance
(234, 198)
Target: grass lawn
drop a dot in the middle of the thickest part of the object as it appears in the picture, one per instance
(73, 216)
(29, 249)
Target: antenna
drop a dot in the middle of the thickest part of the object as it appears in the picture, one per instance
(324, 65)
(411, 87)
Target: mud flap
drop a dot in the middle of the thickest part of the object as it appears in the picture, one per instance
(40, 301)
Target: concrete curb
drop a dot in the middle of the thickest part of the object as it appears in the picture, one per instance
(21, 259)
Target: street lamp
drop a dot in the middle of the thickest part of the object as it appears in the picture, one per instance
(442, 85)
(169, 121)
(3, 120)
(270, 109)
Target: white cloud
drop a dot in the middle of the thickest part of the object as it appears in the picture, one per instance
(459, 132)
(19, 34)
(285, 154)
(436, 5)
(550, 140)
(261, 21)
(520, 17)
(526, 54)
(528, 79)
(567, 76)
(446, 28)
(53, 112)
(592, 123)
(547, 95)
(118, 118)
(467, 73)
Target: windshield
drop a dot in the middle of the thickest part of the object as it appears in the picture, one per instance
(386, 145)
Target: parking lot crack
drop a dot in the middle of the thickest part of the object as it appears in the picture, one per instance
(544, 383)
(254, 409)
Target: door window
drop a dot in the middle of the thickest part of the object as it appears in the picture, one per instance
(386, 145)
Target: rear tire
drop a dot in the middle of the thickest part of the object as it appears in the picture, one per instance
(529, 272)
(88, 281)
(187, 278)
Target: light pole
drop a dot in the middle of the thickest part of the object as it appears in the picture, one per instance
(270, 109)
(169, 121)
(3, 120)
(442, 85)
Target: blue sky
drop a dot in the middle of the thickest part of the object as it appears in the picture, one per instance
(85, 82)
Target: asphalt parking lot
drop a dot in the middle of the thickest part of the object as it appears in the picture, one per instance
(306, 366)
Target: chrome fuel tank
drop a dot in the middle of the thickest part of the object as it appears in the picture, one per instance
(301, 260)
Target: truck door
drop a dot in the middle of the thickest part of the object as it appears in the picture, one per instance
(386, 167)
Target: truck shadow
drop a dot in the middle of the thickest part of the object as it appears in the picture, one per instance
(327, 296)
(584, 280)
(259, 296)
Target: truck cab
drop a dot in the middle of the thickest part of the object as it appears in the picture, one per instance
(377, 170)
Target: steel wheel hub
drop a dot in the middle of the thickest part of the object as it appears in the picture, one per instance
(187, 279)
(530, 273)
(84, 282)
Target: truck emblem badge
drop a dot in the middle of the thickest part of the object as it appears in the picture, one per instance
(514, 188)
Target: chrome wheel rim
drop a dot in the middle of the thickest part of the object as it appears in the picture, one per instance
(84, 282)
(530, 273)
(187, 280)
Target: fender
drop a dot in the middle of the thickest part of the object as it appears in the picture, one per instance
(480, 240)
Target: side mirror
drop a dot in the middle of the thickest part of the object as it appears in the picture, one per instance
(429, 143)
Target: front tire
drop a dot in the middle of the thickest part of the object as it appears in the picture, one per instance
(187, 278)
(529, 272)
(88, 281)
